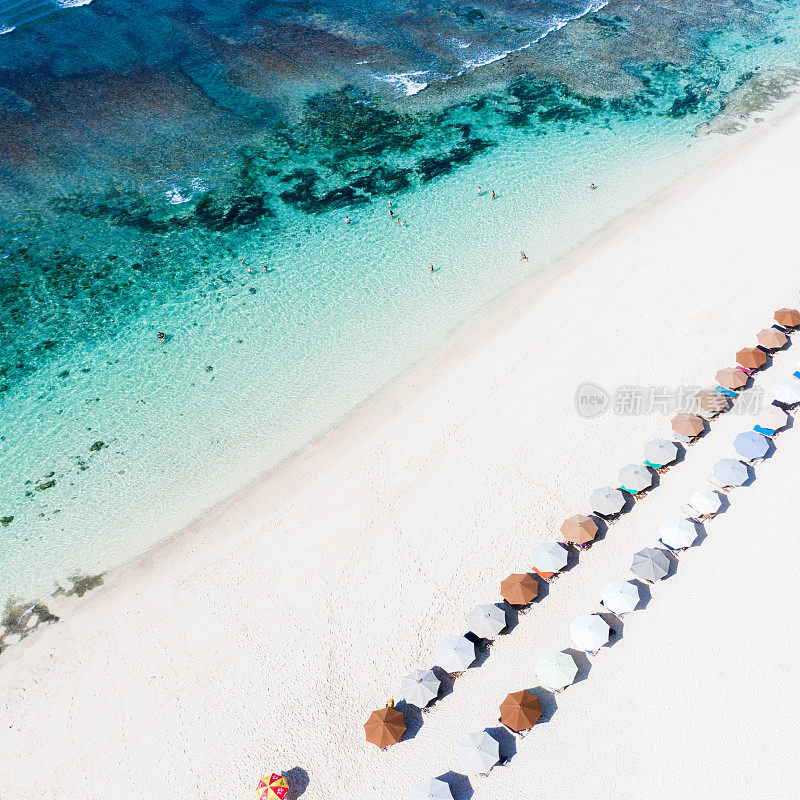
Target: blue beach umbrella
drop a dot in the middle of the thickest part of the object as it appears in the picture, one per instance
(750, 445)
(730, 472)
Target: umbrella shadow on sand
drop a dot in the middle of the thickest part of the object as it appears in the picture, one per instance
(547, 701)
(673, 562)
(645, 595)
(459, 784)
(298, 781)
(616, 624)
(507, 741)
(583, 662)
(413, 718)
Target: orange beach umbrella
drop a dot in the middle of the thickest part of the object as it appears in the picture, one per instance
(788, 317)
(519, 589)
(579, 529)
(751, 357)
(731, 378)
(687, 425)
(385, 727)
(520, 711)
(274, 787)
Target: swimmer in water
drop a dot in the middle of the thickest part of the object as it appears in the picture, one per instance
(162, 337)
(347, 220)
(493, 194)
(522, 256)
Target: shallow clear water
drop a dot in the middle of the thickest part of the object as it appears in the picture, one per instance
(127, 211)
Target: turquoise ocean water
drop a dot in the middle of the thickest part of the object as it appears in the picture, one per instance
(188, 168)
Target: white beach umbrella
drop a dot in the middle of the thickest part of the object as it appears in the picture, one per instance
(660, 452)
(772, 418)
(486, 621)
(589, 632)
(432, 789)
(730, 472)
(454, 653)
(620, 597)
(704, 501)
(556, 670)
(677, 533)
(549, 557)
(787, 392)
(650, 564)
(607, 500)
(477, 753)
(420, 687)
(635, 478)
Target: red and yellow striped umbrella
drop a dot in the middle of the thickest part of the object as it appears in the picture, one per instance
(273, 788)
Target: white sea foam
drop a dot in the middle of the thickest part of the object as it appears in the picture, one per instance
(556, 24)
(175, 196)
(71, 3)
(405, 81)
(5, 28)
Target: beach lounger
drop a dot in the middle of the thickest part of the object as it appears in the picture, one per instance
(726, 392)
(765, 431)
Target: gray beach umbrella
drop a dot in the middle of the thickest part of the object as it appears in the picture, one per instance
(730, 472)
(705, 502)
(432, 789)
(620, 597)
(454, 653)
(549, 557)
(660, 452)
(635, 478)
(751, 444)
(607, 500)
(420, 687)
(477, 753)
(650, 565)
(486, 621)
(589, 632)
(677, 533)
(556, 670)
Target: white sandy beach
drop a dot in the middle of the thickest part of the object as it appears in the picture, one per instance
(261, 639)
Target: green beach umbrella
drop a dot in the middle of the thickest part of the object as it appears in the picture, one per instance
(556, 670)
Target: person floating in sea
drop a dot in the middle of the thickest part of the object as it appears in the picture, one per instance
(592, 185)
(480, 191)
(347, 220)
(432, 269)
(522, 256)
(493, 194)
(391, 213)
(162, 337)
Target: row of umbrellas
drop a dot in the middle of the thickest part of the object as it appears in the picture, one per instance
(479, 752)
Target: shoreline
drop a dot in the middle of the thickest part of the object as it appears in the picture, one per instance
(464, 338)
(373, 494)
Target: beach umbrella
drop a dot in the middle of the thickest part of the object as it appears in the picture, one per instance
(607, 500)
(787, 392)
(420, 687)
(751, 358)
(710, 402)
(635, 478)
(454, 653)
(731, 378)
(772, 418)
(650, 564)
(519, 589)
(771, 338)
(620, 597)
(589, 632)
(705, 502)
(677, 533)
(486, 621)
(556, 670)
(432, 789)
(477, 753)
(520, 711)
(385, 727)
(750, 445)
(548, 558)
(730, 472)
(578, 529)
(788, 317)
(687, 425)
(660, 452)
(274, 787)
